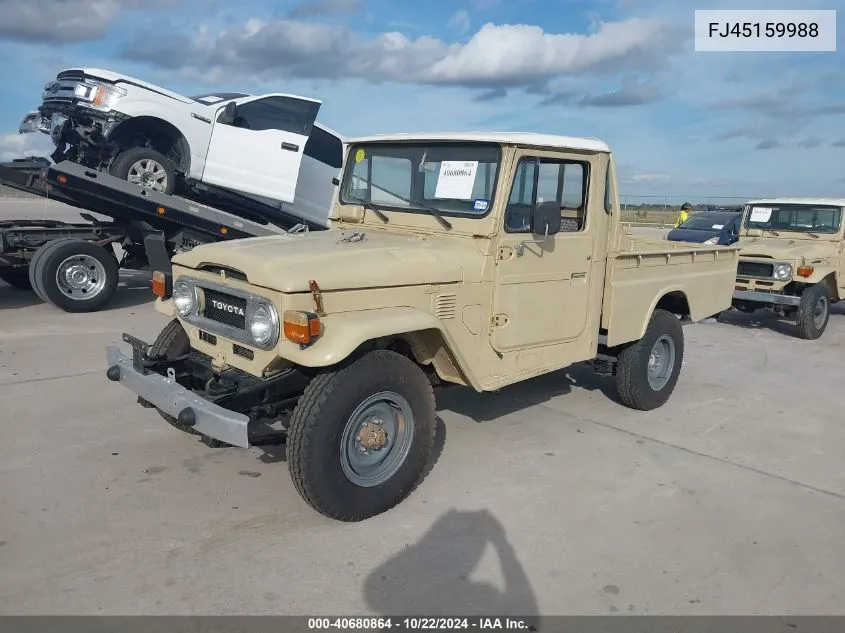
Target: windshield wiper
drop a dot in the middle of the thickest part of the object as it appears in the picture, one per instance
(369, 205)
(418, 206)
(812, 234)
(433, 211)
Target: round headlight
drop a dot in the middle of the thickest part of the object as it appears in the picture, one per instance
(263, 325)
(783, 272)
(184, 299)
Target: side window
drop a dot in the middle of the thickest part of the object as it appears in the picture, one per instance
(608, 199)
(278, 113)
(542, 180)
(324, 147)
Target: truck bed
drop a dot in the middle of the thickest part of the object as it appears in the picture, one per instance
(644, 272)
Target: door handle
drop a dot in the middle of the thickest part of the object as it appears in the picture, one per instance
(579, 275)
(291, 147)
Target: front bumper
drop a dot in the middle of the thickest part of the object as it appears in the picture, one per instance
(166, 394)
(757, 296)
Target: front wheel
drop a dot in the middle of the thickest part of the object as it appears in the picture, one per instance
(813, 312)
(361, 436)
(146, 168)
(648, 370)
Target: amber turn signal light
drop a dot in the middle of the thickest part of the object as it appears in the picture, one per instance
(161, 284)
(300, 327)
(805, 271)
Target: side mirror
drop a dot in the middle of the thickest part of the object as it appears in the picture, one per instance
(545, 222)
(228, 115)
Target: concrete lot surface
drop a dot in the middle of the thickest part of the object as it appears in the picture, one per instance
(549, 497)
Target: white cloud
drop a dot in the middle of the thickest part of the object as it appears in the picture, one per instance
(647, 178)
(496, 55)
(459, 21)
(24, 145)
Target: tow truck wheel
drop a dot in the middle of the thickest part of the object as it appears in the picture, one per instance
(17, 278)
(145, 167)
(361, 436)
(648, 370)
(34, 262)
(76, 276)
(813, 312)
(172, 342)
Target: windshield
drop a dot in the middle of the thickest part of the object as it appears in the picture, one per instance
(449, 178)
(799, 218)
(707, 222)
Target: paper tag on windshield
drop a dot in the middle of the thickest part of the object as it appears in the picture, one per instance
(456, 179)
(716, 227)
(760, 214)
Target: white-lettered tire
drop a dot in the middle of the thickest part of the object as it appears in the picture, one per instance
(75, 275)
(361, 436)
(648, 370)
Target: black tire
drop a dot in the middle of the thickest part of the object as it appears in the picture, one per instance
(17, 278)
(125, 162)
(172, 342)
(35, 261)
(813, 312)
(317, 429)
(632, 372)
(98, 263)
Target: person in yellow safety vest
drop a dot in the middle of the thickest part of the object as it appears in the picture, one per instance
(683, 216)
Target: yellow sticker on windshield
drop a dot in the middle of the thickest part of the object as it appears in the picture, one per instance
(359, 156)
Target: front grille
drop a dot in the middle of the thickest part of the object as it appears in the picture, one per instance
(224, 308)
(754, 269)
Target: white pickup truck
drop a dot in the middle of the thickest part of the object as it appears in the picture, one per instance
(267, 147)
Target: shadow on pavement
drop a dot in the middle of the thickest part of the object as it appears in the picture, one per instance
(486, 407)
(764, 319)
(432, 576)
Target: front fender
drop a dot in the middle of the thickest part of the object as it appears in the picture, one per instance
(342, 333)
(165, 307)
(820, 273)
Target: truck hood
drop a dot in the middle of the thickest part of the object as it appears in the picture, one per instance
(114, 77)
(339, 260)
(785, 249)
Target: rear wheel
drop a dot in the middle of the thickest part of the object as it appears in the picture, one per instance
(34, 263)
(146, 168)
(361, 436)
(648, 370)
(813, 312)
(17, 278)
(75, 275)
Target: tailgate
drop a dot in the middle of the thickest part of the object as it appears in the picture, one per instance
(645, 270)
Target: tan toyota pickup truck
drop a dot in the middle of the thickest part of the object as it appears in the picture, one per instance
(453, 259)
(791, 260)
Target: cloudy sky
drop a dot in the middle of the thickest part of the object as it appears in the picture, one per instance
(681, 123)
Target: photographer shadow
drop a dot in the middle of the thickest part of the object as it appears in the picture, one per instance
(432, 577)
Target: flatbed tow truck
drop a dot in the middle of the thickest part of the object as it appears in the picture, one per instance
(74, 266)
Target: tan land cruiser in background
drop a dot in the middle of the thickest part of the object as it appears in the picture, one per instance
(453, 259)
(791, 260)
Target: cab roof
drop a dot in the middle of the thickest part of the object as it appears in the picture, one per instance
(510, 138)
(835, 202)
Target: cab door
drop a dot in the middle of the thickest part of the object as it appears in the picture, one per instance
(260, 151)
(542, 296)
